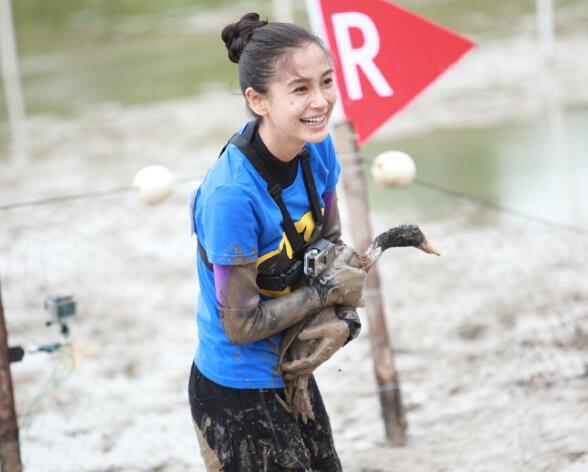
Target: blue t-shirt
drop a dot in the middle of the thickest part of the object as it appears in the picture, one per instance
(237, 222)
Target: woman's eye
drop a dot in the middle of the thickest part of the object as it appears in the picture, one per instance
(300, 89)
(328, 81)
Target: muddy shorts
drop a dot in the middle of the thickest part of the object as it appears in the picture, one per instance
(249, 430)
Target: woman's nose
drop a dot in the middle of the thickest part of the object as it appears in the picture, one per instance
(318, 100)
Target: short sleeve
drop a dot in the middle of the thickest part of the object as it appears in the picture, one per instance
(229, 226)
(333, 165)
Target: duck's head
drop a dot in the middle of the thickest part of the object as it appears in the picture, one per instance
(405, 236)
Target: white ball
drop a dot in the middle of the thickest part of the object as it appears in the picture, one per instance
(153, 184)
(393, 168)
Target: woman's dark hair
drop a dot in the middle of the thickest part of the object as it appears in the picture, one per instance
(258, 46)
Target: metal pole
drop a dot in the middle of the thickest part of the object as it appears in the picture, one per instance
(12, 89)
(381, 347)
(9, 444)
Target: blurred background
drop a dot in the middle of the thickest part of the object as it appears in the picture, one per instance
(491, 338)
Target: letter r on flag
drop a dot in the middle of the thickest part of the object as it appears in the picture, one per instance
(384, 56)
(353, 59)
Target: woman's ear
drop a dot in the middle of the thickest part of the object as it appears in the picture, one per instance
(256, 101)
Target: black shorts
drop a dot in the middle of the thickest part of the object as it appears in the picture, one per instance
(249, 430)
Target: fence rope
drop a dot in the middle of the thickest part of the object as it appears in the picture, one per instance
(418, 181)
(85, 195)
(502, 208)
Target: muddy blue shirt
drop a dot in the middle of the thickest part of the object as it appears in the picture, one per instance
(237, 222)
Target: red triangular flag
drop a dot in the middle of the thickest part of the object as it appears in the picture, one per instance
(384, 57)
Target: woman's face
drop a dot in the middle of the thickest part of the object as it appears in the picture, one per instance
(297, 107)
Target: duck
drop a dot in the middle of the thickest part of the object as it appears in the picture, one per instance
(297, 400)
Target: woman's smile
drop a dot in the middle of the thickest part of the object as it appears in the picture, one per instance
(316, 122)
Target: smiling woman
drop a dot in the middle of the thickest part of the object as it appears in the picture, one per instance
(289, 83)
(270, 195)
(298, 106)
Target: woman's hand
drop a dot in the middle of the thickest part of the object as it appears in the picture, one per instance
(341, 284)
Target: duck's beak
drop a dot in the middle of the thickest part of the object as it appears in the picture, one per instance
(426, 247)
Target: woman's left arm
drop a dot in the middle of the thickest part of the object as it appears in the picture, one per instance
(246, 318)
(332, 232)
(332, 224)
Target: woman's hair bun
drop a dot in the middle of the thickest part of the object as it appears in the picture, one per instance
(237, 35)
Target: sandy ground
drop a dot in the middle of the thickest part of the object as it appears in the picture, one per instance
(491, 338)
(491, 343)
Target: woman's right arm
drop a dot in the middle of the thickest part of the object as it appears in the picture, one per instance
(246, 318)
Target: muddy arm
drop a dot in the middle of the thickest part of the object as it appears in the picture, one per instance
(332, 232)
(245, 318)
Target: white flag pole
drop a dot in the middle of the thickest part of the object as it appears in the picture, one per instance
(12, 88)
(283, 11)
(545, 27)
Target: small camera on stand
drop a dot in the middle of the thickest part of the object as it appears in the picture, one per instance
(60, 309)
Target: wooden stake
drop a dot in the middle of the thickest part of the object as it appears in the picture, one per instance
(9, 444)
(382, 352)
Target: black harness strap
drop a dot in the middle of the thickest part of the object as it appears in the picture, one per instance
(315, 205)
(203, 256)
(274, 189)
(243, 142)
(295, 271)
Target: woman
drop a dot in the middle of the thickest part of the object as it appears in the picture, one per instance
(270, 194)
